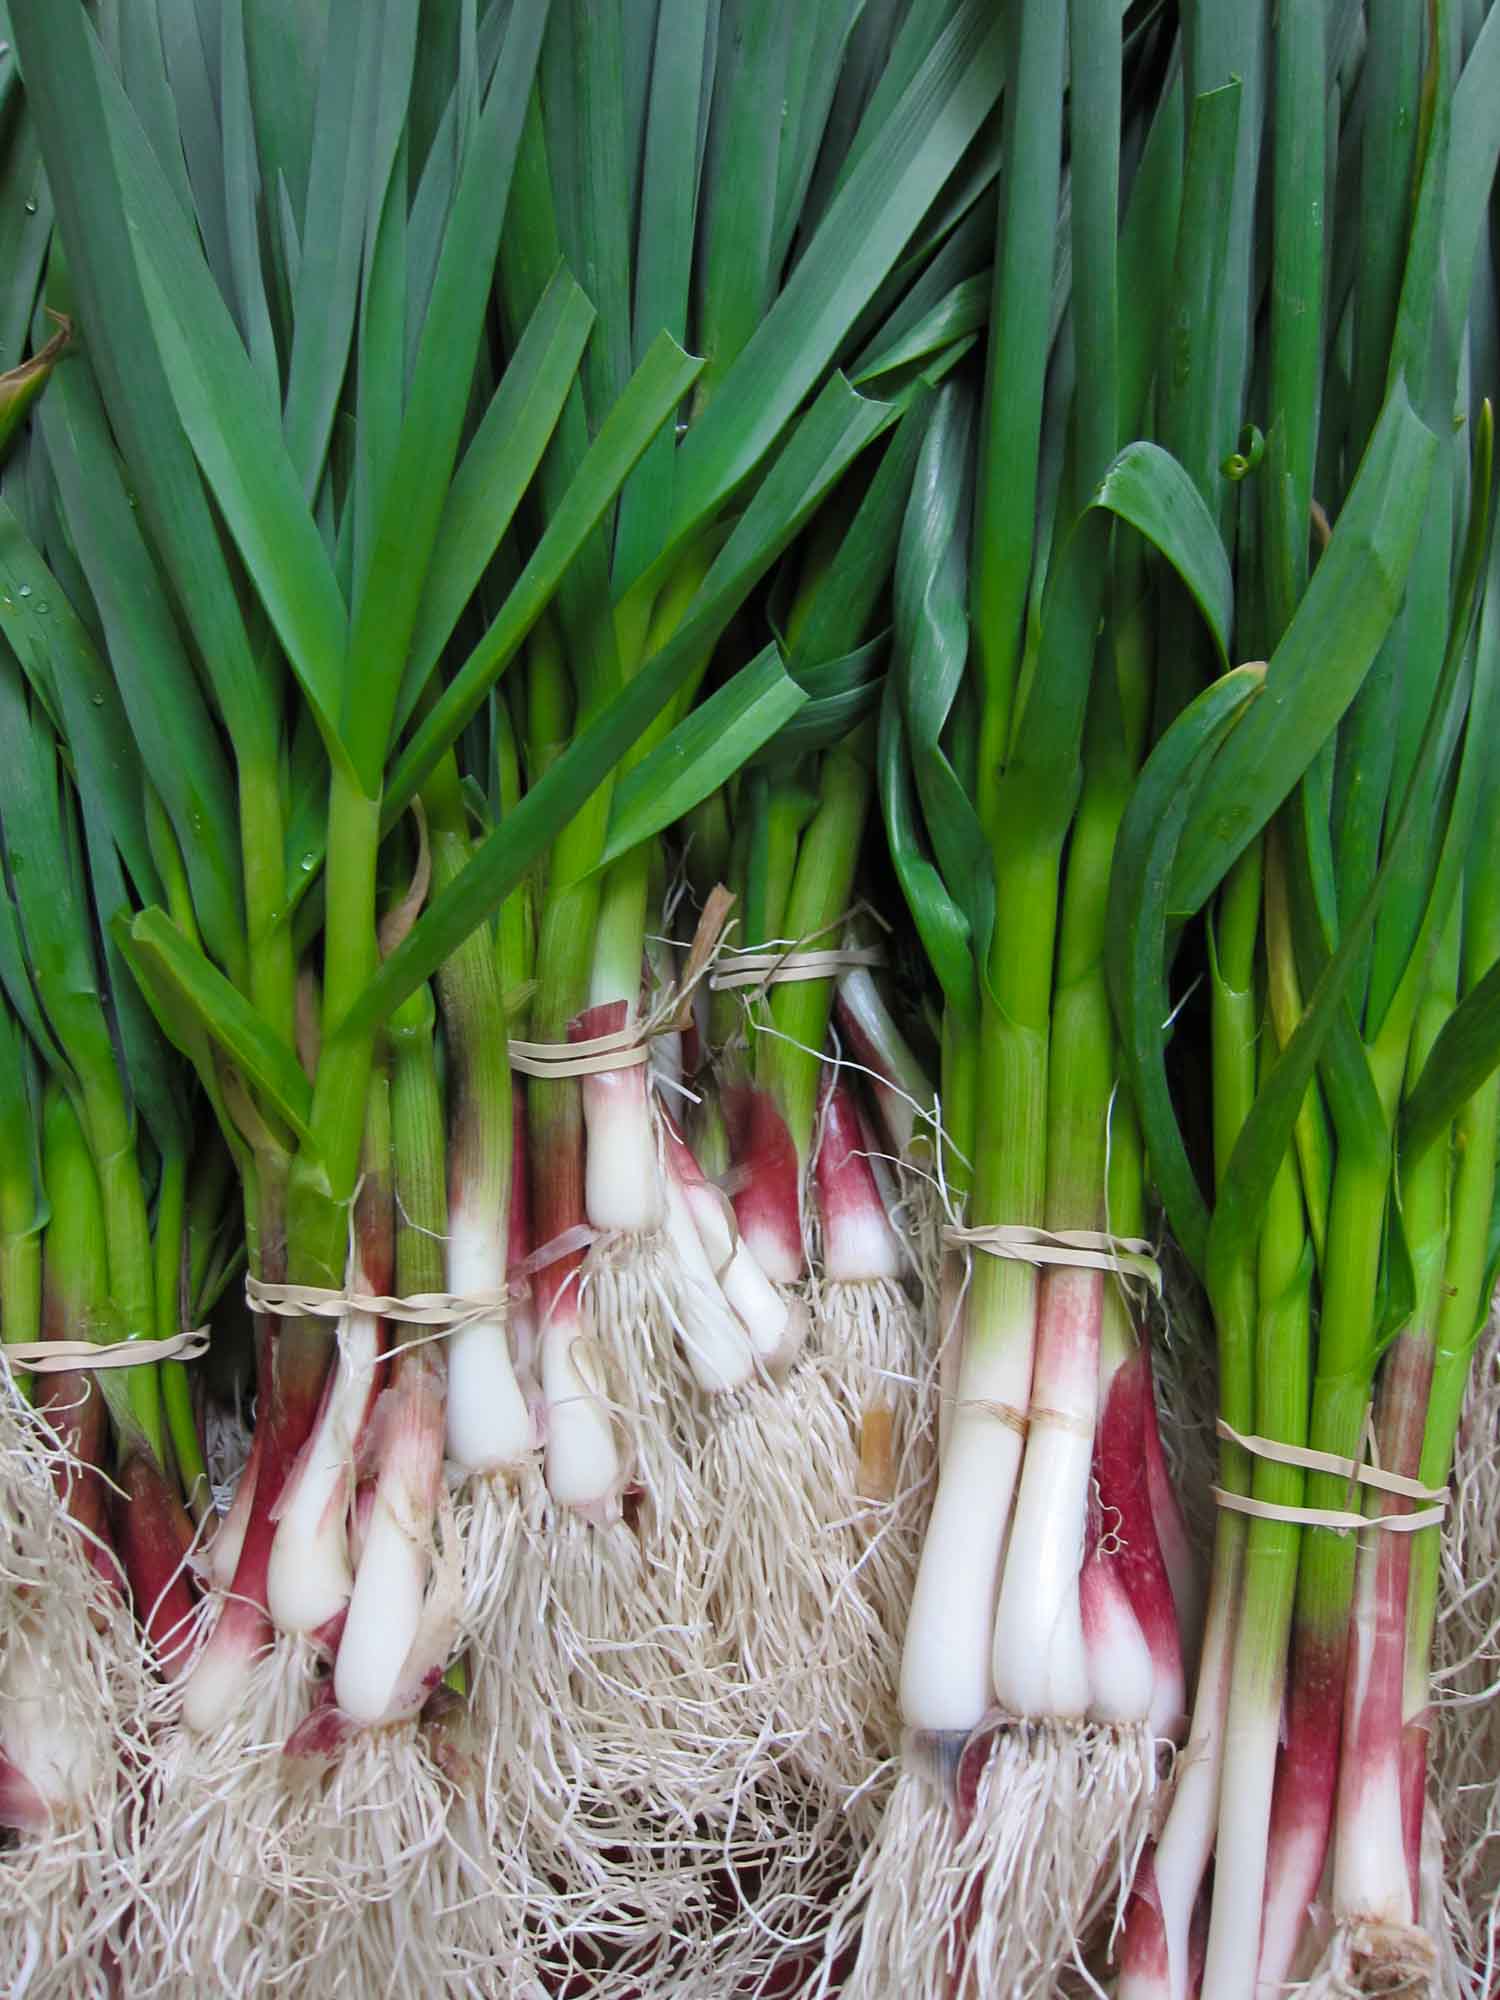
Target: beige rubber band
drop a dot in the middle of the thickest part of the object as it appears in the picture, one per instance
(448, 1309)
(784, 968)
(1005, 1413)
(1332, 1462)
(1086, 1249)
(621, 1050)
(1326, 1517)
(63, 1357)
(630, 1045)
(1059, 1420)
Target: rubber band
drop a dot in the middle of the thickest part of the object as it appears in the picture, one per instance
(1059, 1420)
(1021, 1421)
(1332, 1462)
(1004, 1413)
(64, 1357)
(625, 1047)
(450, 1310)
(621, 1050)
(783, 968)
(1086, 1249)
(1327, 1517)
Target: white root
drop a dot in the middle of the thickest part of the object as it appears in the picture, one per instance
(631, 1290)
(76, 1696)
(213, 1857)
(816, 1662)
(595, 1722)
(398, 1889)
(998, 1902)
(1465, 1742)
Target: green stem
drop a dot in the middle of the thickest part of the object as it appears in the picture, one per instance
(790, 1061)
(1282, 1381)
(1314, 1140)
(272, 960)
(132, 1278)
(960, 1105)
(171, 1311)
(1467, 1271)
(1462, 1314)
(321, 1183)
(1345, 1369)
(1082, 1065)
(417, 1149)
(20, 1260)
(471, 990)
(1235, 1028)
(516, 929)
(621, 938)
(76, 1302)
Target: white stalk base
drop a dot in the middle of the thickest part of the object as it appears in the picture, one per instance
(583, 1458)
(310, 1574)
(489, 1421)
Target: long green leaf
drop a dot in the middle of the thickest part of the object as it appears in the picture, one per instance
(496, 470)
(658, 385)
(1151, 491)
(1328, 648)
(1138, 927)
(150, 668)
(243, 193)
(736, 277)
(386, 613)
(58, 656)
(174, 962)
(664, 251)
(222, 404)
(863, 232)
(702, 753)
(59, 53)
(325, 289)
(582, 93)
(830, 437)
(1005, 510)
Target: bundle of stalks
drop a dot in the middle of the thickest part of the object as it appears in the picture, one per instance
(1341, 1258)
(276, 642)
(1031, 1763)
(335, 595)
(654, 1320)
(549, 523)
(101, 1249)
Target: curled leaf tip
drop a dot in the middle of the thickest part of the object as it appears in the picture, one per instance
(20, 386)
